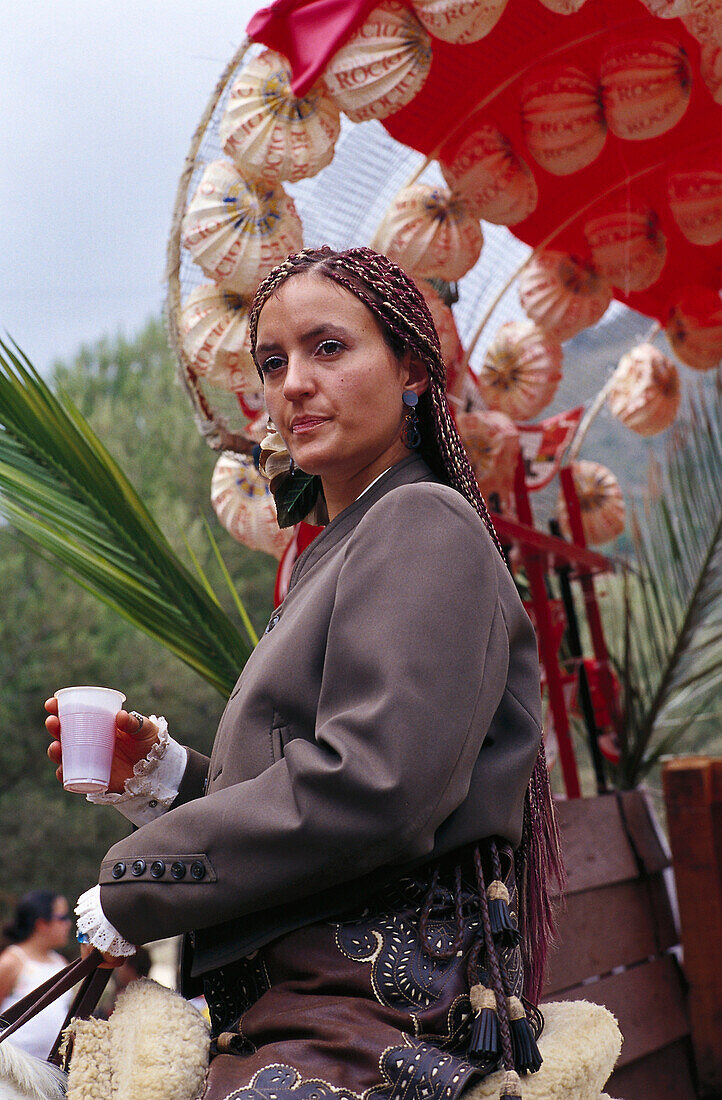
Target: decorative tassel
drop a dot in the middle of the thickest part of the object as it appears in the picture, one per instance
(484, 1039)
(502, 926)
(510, 1086)
(527, 1058)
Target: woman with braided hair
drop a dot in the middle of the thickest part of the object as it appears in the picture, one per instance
(361, 865)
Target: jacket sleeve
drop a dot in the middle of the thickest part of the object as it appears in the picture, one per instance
(415, 666)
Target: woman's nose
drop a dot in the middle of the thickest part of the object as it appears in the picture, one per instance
(298, 378)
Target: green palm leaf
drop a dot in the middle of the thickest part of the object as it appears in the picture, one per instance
(671, 664)
(64, 492)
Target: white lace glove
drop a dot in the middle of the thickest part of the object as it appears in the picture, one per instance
(94, 928)
(154, 784)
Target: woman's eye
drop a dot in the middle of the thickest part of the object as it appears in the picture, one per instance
(330, 347)
(273, 363)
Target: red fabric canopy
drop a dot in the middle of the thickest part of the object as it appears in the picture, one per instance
(482, 83)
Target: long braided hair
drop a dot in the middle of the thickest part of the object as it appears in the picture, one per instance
(406, 323)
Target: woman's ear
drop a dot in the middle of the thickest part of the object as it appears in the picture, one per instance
(416, 376)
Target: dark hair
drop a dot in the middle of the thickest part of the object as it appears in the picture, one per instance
(406, 323)
(35, 906)
(141, 962)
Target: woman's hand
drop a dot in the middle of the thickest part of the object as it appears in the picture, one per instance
(133, 741)
(110, 962)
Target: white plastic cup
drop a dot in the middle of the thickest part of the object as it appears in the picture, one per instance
(87, 736)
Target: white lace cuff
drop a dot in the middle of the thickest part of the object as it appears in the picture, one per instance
(154, 784)
(93, 923)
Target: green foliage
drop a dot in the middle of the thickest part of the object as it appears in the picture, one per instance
(52, 633)
(665, 620)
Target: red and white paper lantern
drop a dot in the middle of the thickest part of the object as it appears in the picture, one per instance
(562, 295)
(382, 66)
(710, 66)
(600, 502)
(493, 180)
(244, 504)
(563, 120)
(521, 371)
(237, 229)
(459, 21)
(430, 233)
(645, 391)
(271, 133)
(628, 248)
(645, 88)
(695, 198)
(214, 333)
(491, 440)
(694, 327)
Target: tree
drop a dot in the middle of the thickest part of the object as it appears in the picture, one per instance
(52, 633)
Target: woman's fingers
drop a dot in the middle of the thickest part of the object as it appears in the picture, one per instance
(51, 705)
(136, 726)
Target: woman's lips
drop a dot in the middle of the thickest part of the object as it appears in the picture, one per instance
(306, 424)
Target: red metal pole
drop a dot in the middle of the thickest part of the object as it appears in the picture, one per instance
(547, 647)
(594, 618)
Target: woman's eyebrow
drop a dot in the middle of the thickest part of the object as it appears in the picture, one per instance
(325, 329)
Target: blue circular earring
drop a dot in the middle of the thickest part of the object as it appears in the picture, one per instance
(410, 434)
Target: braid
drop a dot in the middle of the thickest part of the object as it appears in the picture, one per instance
(398, 304)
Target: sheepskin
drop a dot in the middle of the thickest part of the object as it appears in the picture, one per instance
(154, 1047)
(23, 1077)
(89, 1076)
(580, 1044)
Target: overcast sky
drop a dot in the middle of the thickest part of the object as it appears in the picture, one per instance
(99, 102)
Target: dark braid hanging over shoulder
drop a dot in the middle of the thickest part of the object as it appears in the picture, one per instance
(399, 306)
(406, 322)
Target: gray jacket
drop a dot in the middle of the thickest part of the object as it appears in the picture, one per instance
(390, 714)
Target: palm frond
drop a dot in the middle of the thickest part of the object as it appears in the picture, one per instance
(671, 667)
(61, 488)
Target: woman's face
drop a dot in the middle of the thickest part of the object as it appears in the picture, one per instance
(333, 387)
(57, 928)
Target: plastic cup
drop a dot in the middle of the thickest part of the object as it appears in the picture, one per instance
(87, 736)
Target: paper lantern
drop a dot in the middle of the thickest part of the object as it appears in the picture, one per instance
(563, 121)
(443, 321)
(521, 371)
(628, 248)
(694, 327)
(710, 65)
(600, 502)
(491, 440)
(667, 9)
(430, 233)
(382, 66)
(563, 7)
(496, 184)
(459, 21)
(214, 332)
(645, 391)
(695, 198)
(645, 88)
(237, 230)
(703, 19)
(243, 502)
(562, 295)
(271, 133)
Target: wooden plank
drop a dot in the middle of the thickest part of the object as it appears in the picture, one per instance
(596, 848)
(664, 1075)
(612, 926)
(693, 795)
(648, 1003)
(648, 841)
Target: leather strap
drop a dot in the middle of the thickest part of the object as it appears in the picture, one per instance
(38, 999)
